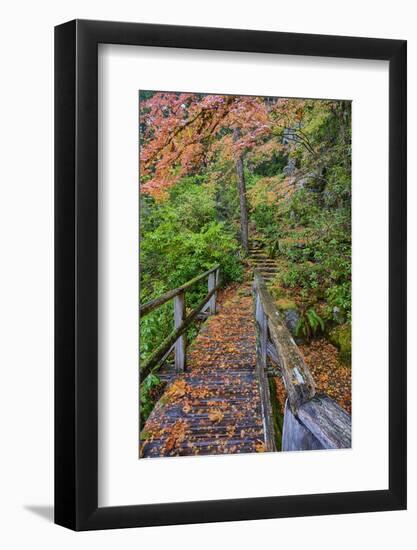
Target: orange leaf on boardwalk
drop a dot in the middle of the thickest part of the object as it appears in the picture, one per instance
(216, 415)
(230, 431)
(260, 447)
(186, 408)
(176, 390)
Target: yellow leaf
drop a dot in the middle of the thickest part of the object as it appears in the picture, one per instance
(215, 415)
(230, 431)
(260, 447)
(176, 390)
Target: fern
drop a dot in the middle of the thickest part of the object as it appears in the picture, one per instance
(309, 324)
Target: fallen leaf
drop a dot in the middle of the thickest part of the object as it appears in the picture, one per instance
(216, 415)
(260, 447)
(230, 431)
(176, 390)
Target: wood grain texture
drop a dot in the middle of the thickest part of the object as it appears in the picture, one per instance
(210, 286)
(297, 378)
(327, 421)
(295, 436)
(180, 344)
(320, 424)
(261, 322)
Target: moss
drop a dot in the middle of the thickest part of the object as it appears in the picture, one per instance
(341, 337)
(144, 435)
(284, 304)
(277, 291)
(277, 417)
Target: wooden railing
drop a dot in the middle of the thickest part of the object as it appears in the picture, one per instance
(176, 340)
(311, 421)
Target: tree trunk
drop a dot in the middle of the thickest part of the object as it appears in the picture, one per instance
(244, 233)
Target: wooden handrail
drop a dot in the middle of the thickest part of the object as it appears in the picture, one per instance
(310, 421)
(296, 376)
(176, 338)
(160, 300)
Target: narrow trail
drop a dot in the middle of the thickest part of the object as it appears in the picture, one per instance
(215, 407)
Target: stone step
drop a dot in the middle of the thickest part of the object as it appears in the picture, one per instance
(261, 256)
(263, 261)
(265, 269)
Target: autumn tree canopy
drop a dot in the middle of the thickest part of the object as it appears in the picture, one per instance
(183, 132)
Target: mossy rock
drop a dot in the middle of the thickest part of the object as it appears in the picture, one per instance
(341, 337)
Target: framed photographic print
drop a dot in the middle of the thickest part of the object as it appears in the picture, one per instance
(230, 275)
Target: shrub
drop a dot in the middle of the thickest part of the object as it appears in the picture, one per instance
(180, 240)
(309, 323)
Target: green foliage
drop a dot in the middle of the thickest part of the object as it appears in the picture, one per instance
(264, 212)
(309, 324)
(272, 248)
(341, 296)
(309, 228)
(270, 167)
(180, 239)
(265, 218)
(147, 388)
(304, 275)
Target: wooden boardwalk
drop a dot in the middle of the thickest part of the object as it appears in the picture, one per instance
(218, 398)
(215, 407)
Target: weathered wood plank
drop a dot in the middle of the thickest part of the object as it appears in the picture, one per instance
(320, 424)
(267, 418)
(296, 376)
(261, 323)
(180, 344)
(160, 300)
(212, 302)
(163, 347)
(295, 436)
(272, 353)
(327, 421)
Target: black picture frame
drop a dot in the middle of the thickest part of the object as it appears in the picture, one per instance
(76, 272)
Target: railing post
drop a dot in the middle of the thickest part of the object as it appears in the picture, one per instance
(263, 332)
(212, 284)
(180, 344)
